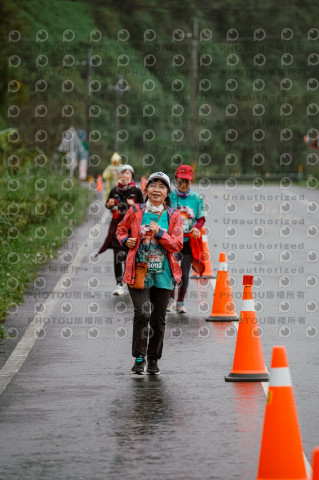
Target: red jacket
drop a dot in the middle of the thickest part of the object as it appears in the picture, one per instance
(171, 241)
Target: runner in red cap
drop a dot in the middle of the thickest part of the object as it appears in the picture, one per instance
(191, 208)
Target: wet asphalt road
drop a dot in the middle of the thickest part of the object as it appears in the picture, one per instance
(74, 411)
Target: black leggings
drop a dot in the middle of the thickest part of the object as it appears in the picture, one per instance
(186, 258)
(119, 263)
(149, 307)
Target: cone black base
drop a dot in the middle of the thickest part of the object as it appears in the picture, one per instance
(214, 318)
(247, 377)
(197, 277)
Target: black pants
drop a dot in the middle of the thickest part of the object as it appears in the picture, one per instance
(186, 258)
(149, 307)
(119, 263)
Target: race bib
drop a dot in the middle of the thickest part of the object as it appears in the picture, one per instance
(156, 258)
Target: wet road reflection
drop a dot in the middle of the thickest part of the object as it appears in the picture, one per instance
(75, 412)
(141, 424)
(223, 332)
(187, 425)
(249, 405)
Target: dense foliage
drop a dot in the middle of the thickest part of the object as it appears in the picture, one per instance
(241, 105)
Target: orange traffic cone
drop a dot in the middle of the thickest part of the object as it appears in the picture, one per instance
(99, 183)
(205, 258)
(281, 455)
(315, 464)
(248, 363)
(223, 306)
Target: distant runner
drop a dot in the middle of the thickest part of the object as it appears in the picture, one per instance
(190, 206)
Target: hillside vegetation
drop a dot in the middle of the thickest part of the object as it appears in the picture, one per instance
(236, 96)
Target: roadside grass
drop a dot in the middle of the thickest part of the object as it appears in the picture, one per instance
(39, 211)
(23, 256)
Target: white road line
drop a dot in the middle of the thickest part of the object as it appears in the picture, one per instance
(22, 350)
(265, 385)
(213, 282)
(308, 466)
